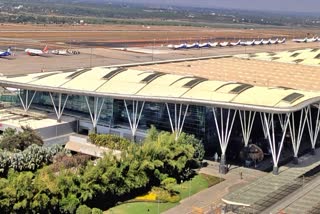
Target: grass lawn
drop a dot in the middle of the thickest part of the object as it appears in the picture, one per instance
(186, 189)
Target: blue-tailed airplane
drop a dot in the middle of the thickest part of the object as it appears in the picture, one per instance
(5, 53)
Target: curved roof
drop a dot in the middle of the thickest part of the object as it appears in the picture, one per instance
(171, 82)
(309, 56)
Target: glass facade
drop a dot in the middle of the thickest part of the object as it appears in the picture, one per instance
(114, 114)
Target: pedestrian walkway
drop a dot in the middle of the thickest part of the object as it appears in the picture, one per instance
(211, 197)
(264, 192)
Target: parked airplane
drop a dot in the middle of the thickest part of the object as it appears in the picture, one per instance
(214, 44)
(259, 42)
(266, 42)
(204, 45)
(300, 40)
(235, 43)
(313, 39)
(223, 44)
(194, 45)
(5, 53)
(282, 41)
(37, 52)
(273, 42)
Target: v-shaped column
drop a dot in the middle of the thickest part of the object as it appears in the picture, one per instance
(246, 121)
(134, 116)
(265, 127)
(96, 111)
(27, 101)
(313, 127)
(297, 132)
(275, 149)
(60, 107)
(224, 128)
(177, 124)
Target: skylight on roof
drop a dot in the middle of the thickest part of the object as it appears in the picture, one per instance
(194, 82)
(78, 73)
(152, 77)
(292, 97)
(241, 88)
(113, 73)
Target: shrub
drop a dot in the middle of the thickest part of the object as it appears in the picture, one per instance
(110, 141)
(31, 158)
(12, 139)
(96, 211)
(83, 209)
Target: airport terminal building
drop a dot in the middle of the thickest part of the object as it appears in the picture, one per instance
(228, 102)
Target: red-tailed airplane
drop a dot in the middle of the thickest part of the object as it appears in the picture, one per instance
(37, 52)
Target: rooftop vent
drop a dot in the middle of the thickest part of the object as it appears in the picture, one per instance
(292, 97)
(295, 55)
(45, 75)
(194, 82)
(241, 88)
(317, 57)
(113, 73)
(152, 77)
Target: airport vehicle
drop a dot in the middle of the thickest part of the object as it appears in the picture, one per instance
(5, 53)
(65, 52)
(37, 52)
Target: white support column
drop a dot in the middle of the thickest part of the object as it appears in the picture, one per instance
(60, 108)
(178, 124)
(313, 127)
(265, 127)
(246, 125)
(296, 134)
(276, 152)
(26, 102)
(224, 131)
(135, 116)
(96, 111)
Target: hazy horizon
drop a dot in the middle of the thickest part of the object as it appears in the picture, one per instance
(312, 6)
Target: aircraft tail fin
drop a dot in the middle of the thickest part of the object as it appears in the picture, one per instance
(9, 50)
(45, 49)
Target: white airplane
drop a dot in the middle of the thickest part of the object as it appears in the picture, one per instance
(5, 53)
(194, 45)
(266, 42)
(282, 41)
(214, 44)
(178, 47)
(249, 43)
(258, 42)
(273, 42)
(223, 44)
(37, 52)
(235, 43)
(204, 45)
(313, 39)
(300, 40)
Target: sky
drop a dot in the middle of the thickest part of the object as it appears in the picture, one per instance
(270, 5)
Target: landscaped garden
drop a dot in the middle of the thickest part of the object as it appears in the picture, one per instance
(154, 174)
